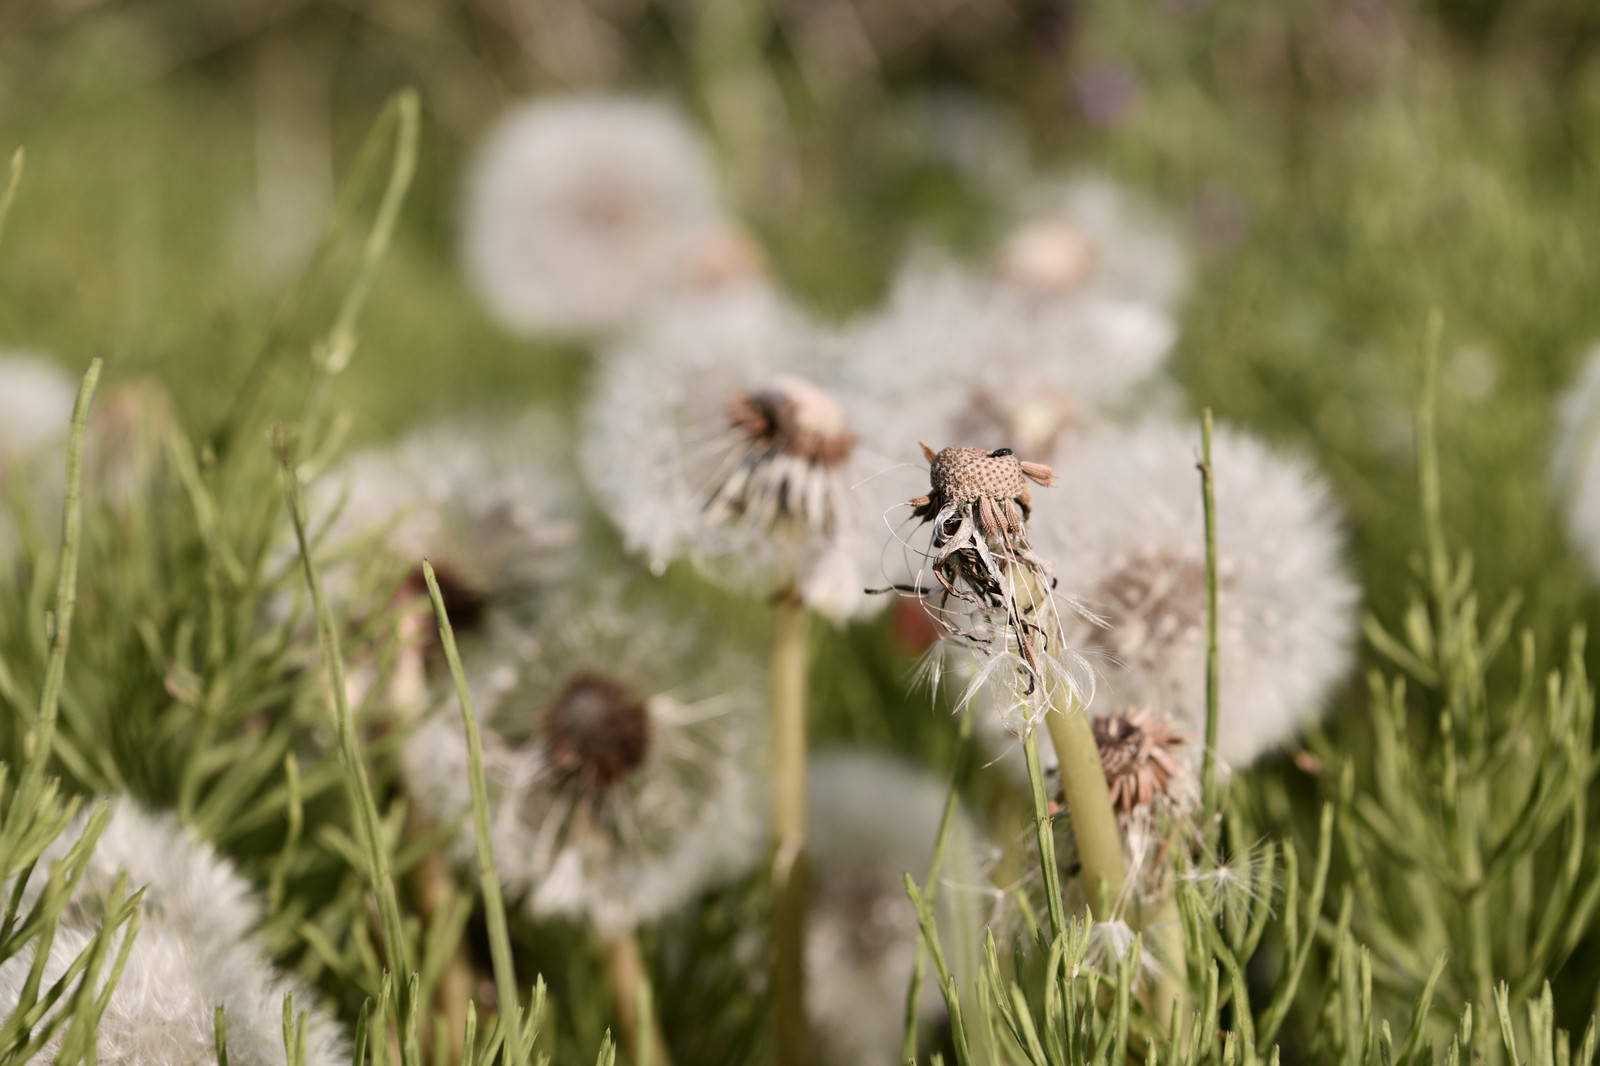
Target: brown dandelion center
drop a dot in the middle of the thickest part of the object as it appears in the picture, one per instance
(1051, 255)
(606, 208)
(595, 732)
(1152, 600)
(796, 418)
(1139, 753)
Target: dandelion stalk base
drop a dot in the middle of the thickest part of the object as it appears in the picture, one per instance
(625, 973)
(1088, 801)
(787, 706)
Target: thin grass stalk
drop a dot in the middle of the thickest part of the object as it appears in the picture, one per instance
(1088, 802)
(13, 182)
(505, 977)
(1208, 755)
(787, 735)
(958, 772)
(42, 737)
(1045, 834)
(364, 806)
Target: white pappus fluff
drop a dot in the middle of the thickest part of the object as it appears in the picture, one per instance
(872, 820)
(1575, 465)
(582, 212)
(191, 953)
(619, 756)
(715, 434)
(1134, 555)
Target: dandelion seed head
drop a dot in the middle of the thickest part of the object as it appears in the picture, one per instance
(582, 213)
(1286, 601)
(192, 953)
(958, 357)
(872, 821)
(618, 752)
(36, 398)
(714, 435)
(1142, 756)
(1087, 234)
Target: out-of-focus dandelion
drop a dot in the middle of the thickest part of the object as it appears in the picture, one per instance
(620, 755)
(617, 753)
(491, 505)
(1136, 558)
(996, 367)
(1575, 471)
(713, 435)
(874, 820)
(36, 399)
(584, 212)
(1085, 236)
(191, 954)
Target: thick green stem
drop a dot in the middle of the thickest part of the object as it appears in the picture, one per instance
(641, 1032)
(1094, 825)
(787, 710)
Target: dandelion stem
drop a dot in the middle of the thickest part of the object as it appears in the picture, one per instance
(630, 987)
(787, 708)
(1094, 825)
(1208, 771)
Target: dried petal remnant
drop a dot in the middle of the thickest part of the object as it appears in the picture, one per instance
(1140, 754)
(597, 731)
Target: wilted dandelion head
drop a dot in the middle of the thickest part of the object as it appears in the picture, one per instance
(1136, 554)
(1142, 756)
(872, 821)
(983, 585)
(957, 357)
(712, 435)
(1088, 234)
(583, 212)
(489, 504)
(192, 952)
(620, 753)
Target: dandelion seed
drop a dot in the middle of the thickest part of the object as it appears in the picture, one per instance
(997, 367)
(1234, 886)
(874, 820)
(1286, 600)
(584, 212)
(192, 952)
(712, 435)
(619, 760)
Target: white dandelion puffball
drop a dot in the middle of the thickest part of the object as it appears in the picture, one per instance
(36, 398)
(958, 359)
(1087, 236)
(715, 434)
(1133, 551)
(872, 821)
(192, 952)
(1575, 466)
(581, 212)
(620, 757)
(490, 504)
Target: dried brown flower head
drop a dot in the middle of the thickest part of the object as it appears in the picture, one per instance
(1140, 754)
(597, 731)
(1154, 599)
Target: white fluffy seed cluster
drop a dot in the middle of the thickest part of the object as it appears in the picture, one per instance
(585, 212)
(1575, 464)
(628, 805)
(690, 445)
(1134, 555)
(873, 820)
(192, 952)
